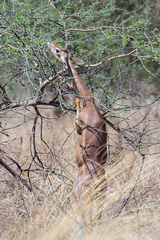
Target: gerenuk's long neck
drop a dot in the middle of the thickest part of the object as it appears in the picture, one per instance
(83, 91)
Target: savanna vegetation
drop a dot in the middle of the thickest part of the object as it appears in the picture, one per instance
(119, 44)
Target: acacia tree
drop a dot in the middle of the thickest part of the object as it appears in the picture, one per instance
(119, 44)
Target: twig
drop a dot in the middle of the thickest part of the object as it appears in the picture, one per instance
(144, 66)
(49, 80)
(131, 143)
(113, 58)
(6, 44)
(19, 178)
(56, 9)
(95, 29)
(34, 137)
(65, 28)
(7, 100)
(55, 22)
(132, 190)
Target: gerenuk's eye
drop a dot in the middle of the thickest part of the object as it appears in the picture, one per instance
(57, 51)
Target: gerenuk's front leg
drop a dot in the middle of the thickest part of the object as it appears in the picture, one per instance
(78, 122)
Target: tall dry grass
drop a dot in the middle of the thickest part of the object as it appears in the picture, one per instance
(128, 209)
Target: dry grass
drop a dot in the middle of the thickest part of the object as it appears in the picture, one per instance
(63, 217)
(128, 209)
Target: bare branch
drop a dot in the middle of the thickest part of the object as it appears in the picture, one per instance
(144, 66)
(6, 44)
(65, 28)
(34, 137)
(113, 58)
(56, 9)
(5, 98)
(55, 22)
(95, 29)
(19, 178)
(51, 79)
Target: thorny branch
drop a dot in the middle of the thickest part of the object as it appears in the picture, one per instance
(36, 101)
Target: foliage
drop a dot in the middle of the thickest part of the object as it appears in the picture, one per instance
(25, 32)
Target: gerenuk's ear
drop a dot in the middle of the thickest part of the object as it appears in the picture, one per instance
(78, 61)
